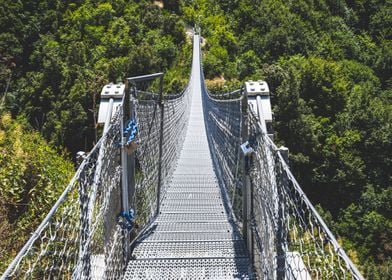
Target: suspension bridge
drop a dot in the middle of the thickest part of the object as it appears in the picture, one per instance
(183, 186)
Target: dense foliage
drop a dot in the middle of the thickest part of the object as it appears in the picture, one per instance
(32, 177)
(56, 55)
(328, 64)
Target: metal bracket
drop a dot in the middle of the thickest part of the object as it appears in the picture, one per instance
(284, 151)
(247, 150)
(259, 100)
(114, 92)
(80, 156)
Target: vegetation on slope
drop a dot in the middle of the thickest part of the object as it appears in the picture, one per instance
(32, 177)
(59, 54)
(328, 64)
(55, 56)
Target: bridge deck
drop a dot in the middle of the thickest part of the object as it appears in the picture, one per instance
(192, 237)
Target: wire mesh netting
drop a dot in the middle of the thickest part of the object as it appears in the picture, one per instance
(224, 125)
(148, 114)
(75, 240)
(288, 239)
(81, 237)
(100, 252)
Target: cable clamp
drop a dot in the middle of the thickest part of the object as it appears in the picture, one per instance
(246, 149)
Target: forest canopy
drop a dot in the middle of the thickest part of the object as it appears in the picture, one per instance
(328, 64)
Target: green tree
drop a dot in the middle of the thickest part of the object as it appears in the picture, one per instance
(32, 176)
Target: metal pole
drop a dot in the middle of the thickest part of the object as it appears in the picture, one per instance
(249, 207)
(246, 194)
(281, 242)
(161, 105)
(124, 165)
(131, 158)
(107, 230)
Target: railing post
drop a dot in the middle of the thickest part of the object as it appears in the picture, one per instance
(244, 136)
(125, 167)
(281, 241)
(145, 78)
(161, 106)
(131, 157)
(247, 195)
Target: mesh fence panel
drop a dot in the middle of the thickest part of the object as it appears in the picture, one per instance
(224, 129)
(148, 115)
(99, 193)
(73, 241)
(81, 237)
(289, 240)
(289, 237)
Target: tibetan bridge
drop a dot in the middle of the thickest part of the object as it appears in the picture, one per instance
(183, 186)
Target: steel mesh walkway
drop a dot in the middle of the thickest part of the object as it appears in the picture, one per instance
(192, 237)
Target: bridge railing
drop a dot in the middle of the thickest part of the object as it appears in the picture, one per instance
(286, 237)
(148, 116)
(83, 235)
(289, 238)
(76, 239)
(223, 116)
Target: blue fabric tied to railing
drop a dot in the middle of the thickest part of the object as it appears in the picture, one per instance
(130, 131)
(126, 219)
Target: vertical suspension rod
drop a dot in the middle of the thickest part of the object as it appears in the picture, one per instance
(247, 191)
(124, 165)
(145, 78)
(161, 105)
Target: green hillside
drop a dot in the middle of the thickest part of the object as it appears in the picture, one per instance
(328, 64)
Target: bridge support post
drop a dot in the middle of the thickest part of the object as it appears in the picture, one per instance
(84, 226)
(125, 164)
(128, 164)
(132, 157)
(145, 78)
(162, 107)
(281, 234)
(247, 195)
(248, 214)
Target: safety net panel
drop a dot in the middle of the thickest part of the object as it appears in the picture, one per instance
(289, 238)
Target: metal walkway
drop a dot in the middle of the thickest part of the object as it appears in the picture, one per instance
(192, 237)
